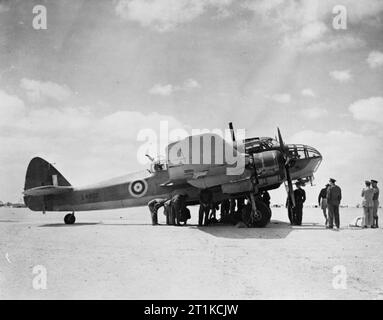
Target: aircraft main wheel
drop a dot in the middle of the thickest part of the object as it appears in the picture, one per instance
(70, 218)
(259, 219)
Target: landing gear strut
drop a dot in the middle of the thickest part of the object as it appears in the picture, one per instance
(70, 218)
(256, 213)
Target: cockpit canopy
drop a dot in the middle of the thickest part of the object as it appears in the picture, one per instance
(259, 144)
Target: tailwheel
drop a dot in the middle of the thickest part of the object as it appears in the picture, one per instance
(258, 219)
(70, 218)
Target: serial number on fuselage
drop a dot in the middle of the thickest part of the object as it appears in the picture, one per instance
(90, 196)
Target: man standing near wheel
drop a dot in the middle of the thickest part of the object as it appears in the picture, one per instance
(300, 198)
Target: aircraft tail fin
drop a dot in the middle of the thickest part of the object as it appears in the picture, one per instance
(42, 179)
(42, 173)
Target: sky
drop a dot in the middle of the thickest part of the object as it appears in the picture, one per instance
(79, 92)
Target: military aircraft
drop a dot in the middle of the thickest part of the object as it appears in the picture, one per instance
(268, 163)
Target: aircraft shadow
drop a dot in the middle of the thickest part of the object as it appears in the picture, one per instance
(79, 224)
(274, 230)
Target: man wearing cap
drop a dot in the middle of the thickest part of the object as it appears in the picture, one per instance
(334, 196)
(375, 198)
(368, 205)
(300, 198)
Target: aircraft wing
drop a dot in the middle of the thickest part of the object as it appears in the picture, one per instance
(47, 190)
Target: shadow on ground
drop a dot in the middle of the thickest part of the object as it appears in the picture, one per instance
(69, 225)
(274, 230)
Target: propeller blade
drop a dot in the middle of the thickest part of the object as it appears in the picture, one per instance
(280, 139)
(290, 190)
(283, 147)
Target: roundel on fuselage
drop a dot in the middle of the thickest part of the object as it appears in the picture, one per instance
(138, 188)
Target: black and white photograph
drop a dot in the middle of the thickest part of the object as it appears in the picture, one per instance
(191, 150)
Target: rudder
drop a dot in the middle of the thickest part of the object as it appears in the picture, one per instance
(42, 173)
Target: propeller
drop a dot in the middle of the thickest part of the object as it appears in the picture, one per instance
(285, 154)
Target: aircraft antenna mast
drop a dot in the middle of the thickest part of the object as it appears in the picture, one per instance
(232, 131)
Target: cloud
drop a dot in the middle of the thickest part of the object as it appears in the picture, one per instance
(107, 142)
(315, 112)
(3, 8)
(165, 15)
(335, 43)
(191, 84)
(305, 25)
(162, 90)
(308, 92)
(11, 108)
(375, 59)
(341, 75)
(281, 97)
(37, 91)
(368, 109)
(168, 89)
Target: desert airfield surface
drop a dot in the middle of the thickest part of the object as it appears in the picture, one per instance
(118, 254)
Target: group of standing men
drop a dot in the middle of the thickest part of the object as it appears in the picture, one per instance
(331, 195)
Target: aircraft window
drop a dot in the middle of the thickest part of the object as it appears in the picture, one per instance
(312, 153)
(159, 166)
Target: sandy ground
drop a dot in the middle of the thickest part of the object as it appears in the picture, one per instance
(117, 254)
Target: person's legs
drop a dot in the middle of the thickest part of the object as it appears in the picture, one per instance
(295, 215)
(323, 206)
(200, 215)
(336, 216)
(206, 214)
(166, 211)
(172, 215)
(370, 216)
(365, 217)
(299, 213)
(375, 214)
(153, 212)
(154, 217)
(330, 216)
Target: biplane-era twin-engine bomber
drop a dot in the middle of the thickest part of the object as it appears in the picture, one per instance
(267, 164)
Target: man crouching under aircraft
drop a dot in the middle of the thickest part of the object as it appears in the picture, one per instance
(154, 205)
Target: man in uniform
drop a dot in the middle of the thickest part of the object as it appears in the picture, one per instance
(154, 205)
(300, 198)
(376, 203)
(334, 196)
(368, 205)
(179, 205)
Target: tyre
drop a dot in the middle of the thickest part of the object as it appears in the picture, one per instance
(69, 218)
(259, 220)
